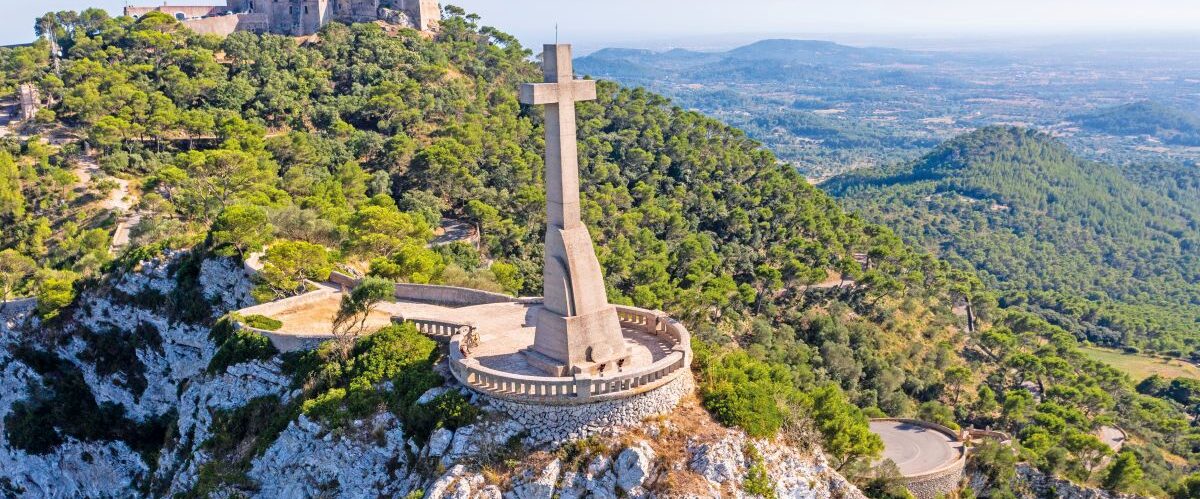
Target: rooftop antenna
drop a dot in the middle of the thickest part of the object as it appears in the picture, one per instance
(556, 33)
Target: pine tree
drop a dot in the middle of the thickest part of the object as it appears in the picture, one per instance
(1124, 473)
(12, 202)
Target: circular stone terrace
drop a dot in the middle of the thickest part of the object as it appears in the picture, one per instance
(930, 456)
(486, 334)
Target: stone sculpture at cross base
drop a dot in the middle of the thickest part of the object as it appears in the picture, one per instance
(577, 329)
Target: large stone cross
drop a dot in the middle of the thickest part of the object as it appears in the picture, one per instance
(577, 329)
(559, 94)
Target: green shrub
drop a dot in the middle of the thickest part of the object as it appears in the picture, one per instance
(937, 412)
(263, 322)
(760, 397)
(328, 407)
(757, 482)
(237, 346)
(745, 392)
(449, 410)
(245, 432)
(389, 369)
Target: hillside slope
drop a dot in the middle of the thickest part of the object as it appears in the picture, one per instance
(1170, 125)
(1104, 254)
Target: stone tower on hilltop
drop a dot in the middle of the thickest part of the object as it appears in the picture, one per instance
(297, 17)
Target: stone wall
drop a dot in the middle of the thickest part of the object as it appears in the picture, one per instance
(218, 25)
(561, 423)
(291, 17)
(449, 296)
(276, 307)
(180, 12)
(939, 483)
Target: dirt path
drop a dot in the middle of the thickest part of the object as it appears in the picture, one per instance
(8, 115)
(120, 200)
(834, 280)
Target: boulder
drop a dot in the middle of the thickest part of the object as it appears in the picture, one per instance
(633, 467)
(439, 442)
(720, 462)
(536, 484)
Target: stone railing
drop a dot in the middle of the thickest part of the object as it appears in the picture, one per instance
(582, 388)
(441, 331)
(971, 434)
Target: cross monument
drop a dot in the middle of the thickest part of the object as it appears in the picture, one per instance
(577, 329)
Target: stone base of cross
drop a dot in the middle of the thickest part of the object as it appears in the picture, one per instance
(577, 329)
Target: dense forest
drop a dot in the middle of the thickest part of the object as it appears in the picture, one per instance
(346, 153)
(1107, 255)
(1170, 125)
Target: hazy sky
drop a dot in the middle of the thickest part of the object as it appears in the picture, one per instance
(602, 22)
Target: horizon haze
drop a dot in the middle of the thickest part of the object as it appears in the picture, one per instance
(713, 25)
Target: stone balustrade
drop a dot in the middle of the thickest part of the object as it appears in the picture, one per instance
(582, 388)
(440, 331)
(975, 434)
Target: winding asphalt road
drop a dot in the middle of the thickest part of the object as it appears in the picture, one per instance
(916, 449)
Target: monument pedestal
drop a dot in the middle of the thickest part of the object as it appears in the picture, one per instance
(565, 346)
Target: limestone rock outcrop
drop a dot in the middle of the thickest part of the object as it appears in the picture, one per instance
(166, 375)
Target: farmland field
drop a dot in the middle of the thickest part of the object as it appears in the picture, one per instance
(1140, 367)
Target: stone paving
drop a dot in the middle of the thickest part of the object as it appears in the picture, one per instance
(916, 449)
(505, 329)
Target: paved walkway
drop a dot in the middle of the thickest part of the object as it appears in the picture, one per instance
(916, 449)
(452, 231)
(505, 329)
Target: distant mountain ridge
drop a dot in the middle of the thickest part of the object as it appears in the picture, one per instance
(784, 51)
(789, 93)
(1082, 241)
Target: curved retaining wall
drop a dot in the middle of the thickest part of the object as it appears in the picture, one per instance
(278, 306)
(942, 481)
(449, 296)
(561, 423)
(581, 388)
